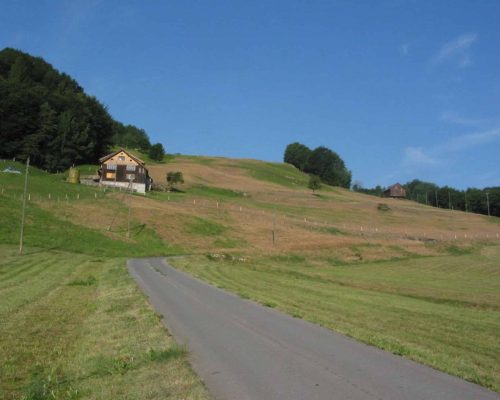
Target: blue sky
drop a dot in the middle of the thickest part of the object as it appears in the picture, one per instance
(400, 89)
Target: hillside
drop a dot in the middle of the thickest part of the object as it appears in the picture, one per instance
(255, 198)
(235, 205)
(387, 272)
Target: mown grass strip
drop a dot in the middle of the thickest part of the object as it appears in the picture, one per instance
(440, 311)
(86, 332)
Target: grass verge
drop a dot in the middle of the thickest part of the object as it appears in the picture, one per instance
(75, 326)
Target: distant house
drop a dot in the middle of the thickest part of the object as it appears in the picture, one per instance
(395, 191)
(124, 170)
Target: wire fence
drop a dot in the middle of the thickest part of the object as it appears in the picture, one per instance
(274, 219)
(271, 219)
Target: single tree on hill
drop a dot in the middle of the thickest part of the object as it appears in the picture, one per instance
(156, 152)
(329, 167)
(174, 178)
(297, 154)
(314, 183)
(321, 161)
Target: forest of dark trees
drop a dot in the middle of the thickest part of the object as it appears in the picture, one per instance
(321, 162)
(47, 116)
(470, 200)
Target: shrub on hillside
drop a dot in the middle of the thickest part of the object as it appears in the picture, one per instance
(383, 207)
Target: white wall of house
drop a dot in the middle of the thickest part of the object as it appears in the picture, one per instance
(136, 187)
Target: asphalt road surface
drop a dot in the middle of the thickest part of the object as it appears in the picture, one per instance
(245, 351)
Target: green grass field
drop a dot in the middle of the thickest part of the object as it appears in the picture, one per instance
(441, 311)
(73, 324)
(278, 173)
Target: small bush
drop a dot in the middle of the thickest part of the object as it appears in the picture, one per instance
(458, 251)
(113, 365)
(383, 207)
(45, 385)
(173, 352)
(159, 187)
(91, 280)
(227, 257)
(335, 261)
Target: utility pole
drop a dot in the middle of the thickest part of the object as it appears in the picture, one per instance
(23, 213)
(128, 222)
(449, 200)
(466, 208)
(129, 207)
(488, 203)
(274, 229)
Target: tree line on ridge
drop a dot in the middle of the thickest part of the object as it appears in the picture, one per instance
(321, 162)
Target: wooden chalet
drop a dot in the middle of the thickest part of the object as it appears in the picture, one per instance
(395, 191)
(124, 170)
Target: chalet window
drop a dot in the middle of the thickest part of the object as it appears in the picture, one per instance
(111, 167)
(121, 158)
(130, 167)
(110, 175)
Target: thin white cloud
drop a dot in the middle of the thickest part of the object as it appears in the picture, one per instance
(456, 119)
(404, 49)
(457, 50)
(464, 142)
(417, 157)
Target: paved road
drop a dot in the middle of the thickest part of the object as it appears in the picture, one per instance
(245, 351)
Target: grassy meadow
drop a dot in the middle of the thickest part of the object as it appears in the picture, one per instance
(75, 326)
(441, 311)
(414, 280)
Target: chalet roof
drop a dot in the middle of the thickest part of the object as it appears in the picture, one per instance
(396, 190)
(396, 185)
(105, 158)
